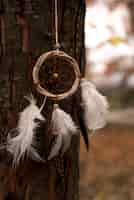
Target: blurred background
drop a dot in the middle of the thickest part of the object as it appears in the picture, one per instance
(107, 170)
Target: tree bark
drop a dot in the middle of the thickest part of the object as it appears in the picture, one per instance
(27, 30)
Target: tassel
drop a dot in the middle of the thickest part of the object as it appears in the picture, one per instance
(95, 106)
(63, 127)
(24, 143)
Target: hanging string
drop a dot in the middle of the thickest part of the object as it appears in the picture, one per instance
(57, 44)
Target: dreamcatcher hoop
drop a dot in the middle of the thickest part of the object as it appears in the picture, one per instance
(61, 55)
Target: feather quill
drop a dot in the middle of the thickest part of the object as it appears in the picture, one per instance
(95, 106)
(63, 127)
(24, 143)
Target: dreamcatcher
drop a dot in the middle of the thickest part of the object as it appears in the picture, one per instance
(50, 74)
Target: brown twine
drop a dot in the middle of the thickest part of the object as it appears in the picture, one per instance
(57, 44)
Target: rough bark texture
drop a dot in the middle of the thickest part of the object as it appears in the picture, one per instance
(27, 30)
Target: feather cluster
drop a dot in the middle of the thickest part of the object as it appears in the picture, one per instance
(63, 127)
(24, 143)
(95, 106)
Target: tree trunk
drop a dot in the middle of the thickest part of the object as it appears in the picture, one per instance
(27, 30)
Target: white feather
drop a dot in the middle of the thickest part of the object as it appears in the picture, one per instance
(56, 148)
(62, 126)
(24, 142)
(95, 106)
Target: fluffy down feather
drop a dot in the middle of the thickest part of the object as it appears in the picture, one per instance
(95, 106)
(63, 127)
(24, 143)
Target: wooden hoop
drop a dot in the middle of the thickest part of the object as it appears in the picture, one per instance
(38, 65)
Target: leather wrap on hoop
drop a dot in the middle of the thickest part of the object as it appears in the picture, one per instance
(62, 56)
